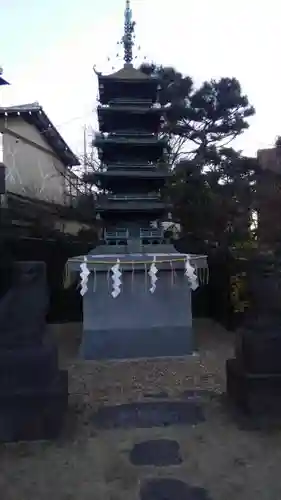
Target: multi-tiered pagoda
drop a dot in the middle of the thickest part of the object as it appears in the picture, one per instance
(132, 154)
(136, 288)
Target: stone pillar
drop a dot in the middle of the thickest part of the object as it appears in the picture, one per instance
(254, 375)
(33, 391)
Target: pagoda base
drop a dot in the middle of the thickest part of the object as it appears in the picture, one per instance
(137, 323)
(136, 343)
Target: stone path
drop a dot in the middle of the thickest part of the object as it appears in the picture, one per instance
(146, 415)
(217, 459)
(158, 452)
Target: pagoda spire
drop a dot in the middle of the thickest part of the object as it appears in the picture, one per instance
(128, 37)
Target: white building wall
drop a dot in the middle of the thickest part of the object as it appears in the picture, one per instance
(31, 171)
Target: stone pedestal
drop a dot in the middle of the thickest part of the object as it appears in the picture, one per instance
(33, 391)
(137, 323)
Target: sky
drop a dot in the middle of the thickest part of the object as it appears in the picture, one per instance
(48, 49)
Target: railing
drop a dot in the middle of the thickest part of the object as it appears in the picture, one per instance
(133, 197)
(151, 233)
(141, 132)
(130, 163)
(119, 234)
(122, 235)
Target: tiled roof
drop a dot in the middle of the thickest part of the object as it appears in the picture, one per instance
(34, 115)
(128, 72)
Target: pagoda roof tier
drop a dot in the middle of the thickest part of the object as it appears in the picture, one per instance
(128, 83)
(136, 139)
(126, 206)
(3, 81)
(132, 108)
(134, 165)
(130, 184)
(125, 119)
(128, 174)
(111, 153)
(127, 74)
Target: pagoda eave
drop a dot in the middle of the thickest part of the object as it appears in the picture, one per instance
(128, 75)
(100, 142)
(128, 109)
(134, 174)
(3, 81)
(105, 79)
(131, 206)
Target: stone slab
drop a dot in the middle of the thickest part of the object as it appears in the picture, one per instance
(171, 489)
(149, 414)
(157, 452)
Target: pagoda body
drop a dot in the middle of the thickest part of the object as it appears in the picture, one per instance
(137, 318)
(133, 169)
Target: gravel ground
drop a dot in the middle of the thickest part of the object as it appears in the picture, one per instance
(86, 463)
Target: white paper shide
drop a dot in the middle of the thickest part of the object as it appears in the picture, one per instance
(150, 269)
(190, 273)
(116, 279)
(84, 276)
(153, 278)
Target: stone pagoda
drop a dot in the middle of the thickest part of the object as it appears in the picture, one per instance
(136, 287)
(132, 155)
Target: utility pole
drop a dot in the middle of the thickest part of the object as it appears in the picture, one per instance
(85, 151)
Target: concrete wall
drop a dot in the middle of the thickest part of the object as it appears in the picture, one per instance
(32, 166)
(72, 227)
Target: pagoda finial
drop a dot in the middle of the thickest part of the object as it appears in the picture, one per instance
(128, 38)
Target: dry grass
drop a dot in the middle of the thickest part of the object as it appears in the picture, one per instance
(86, 464)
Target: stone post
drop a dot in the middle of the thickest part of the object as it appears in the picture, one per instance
(33, 391)
(254, 375)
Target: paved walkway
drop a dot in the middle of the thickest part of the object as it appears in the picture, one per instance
(148, 430)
